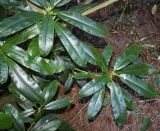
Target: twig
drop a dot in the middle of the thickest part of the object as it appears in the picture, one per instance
(80, 112)
(98, 7)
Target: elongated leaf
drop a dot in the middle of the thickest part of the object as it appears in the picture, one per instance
(58, 3)
(58, 104)
(41, 3)
(136, 69)
(18, 122)
(127, 57)
(27, 113)
(83, 23)
(6, 121)
(33, 48)
(71, 44)
(18, 22)
(107, 54)
(139, 86)
(25, 84)
(128, 99)
(46, 35)
(23, 36)
(18, 95)
(100, 61)
(50, 91)
(68, 83)
(93, 86)
(118, 103)
(47, 122)
(3, 69)
(82, 8)
(37, 64)
(95, 104)
(88, 52)
(83, 75)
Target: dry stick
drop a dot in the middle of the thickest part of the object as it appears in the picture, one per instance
(80, 112)
(98, 7)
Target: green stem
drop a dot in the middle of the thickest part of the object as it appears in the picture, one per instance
(98, 7)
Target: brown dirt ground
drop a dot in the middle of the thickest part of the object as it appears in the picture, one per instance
(137, 25)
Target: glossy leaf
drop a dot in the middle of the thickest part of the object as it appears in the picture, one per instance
(47, 123)
(18, 122)
(118, 103)
(41, 3)
(37, 64)
(18, 95)
(27, 113)
(18, 22)
(93, 86)
(23, 36)
(139, 86)
(83, 75)
(96, 103)
(58, 3)
(100, 61)
(128, 99)
(60, 103)
(83, 23)
(25, 84)
(88, 52)
(71, 44)
(6, 121)
(68, 83)
(136, 69)
(127, 57)
(107, 54)
(50, 91)
(82, 8)
(3, 69)
(46, 35)
(33, 48)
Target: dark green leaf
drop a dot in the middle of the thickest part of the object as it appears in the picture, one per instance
(88, 52)
(145, 123)
(128, 99)
(82, 8)
(18, 22)
(33, 48)
(65, 127)
(72, 44)
(100, 60)
(23, 36)
(107, 54)
(46, 35)
(127, 57)
(41, 3)
(3, 69)
(37, 64)
(68, 83)
(83, 75)
(25, 84)
(136, 69)
(59, 2)
(139, 86)
(18, 122)
(118, 103)
(96, 103)
(50, 91)
(83, 23)
(47, 123)
(27, 113)
(93, 86)
(60, 103)
(18, 95)
(2, 14)
(6, 121)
